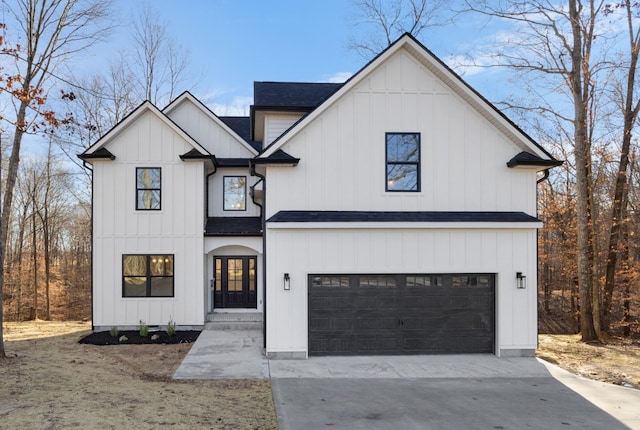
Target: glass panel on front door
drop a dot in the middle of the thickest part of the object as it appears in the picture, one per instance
(235, 282)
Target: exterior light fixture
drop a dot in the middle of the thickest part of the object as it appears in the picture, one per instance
(521, 280)
(287, 282)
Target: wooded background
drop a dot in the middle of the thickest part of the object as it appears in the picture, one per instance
(572, 68)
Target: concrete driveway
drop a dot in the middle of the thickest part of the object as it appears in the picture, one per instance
(444, 392)
(415, 392)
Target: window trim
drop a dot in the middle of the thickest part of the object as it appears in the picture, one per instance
(406, 163)
(224, 200)
(149, 276)
(149, 189)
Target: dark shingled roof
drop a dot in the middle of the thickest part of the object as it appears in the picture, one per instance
(233, 226)
(232, 162)
(359, 216)
(241, 125)
(528, 159)
(298, 95)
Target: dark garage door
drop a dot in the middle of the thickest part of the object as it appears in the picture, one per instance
(401, 314)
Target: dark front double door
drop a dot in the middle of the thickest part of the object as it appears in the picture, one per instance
(235, 282)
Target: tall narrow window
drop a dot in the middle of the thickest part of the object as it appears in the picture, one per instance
(148, 184)
(235, 193)
(403, 161)
(147, 275)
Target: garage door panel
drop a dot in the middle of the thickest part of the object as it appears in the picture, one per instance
(332, 324)
(376, 324)
(400, 314)
(378, 344)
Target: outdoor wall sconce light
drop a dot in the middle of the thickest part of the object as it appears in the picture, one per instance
(521, 280)
(287, 282)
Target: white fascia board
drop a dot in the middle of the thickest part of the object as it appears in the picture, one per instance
(188, 96)
(405, 225)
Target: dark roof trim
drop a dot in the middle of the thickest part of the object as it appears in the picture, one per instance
(528, 159)
(102, 153)
(279, 157)
(194, 154)
(233, 226)
(360, 216)
(232, 162)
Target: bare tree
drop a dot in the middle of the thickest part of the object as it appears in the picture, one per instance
(160, 63)
(629, 105)
(555, 41)
(51, 32)
(385, 21)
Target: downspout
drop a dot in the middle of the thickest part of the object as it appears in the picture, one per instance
(206, 196)
(545, 177)
(86, 166)
(252, 169)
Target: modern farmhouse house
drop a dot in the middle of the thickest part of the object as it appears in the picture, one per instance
(391, 214)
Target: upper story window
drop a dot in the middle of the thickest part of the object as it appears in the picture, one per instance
(148, 184)
(403, 161)
(147, 275)
(235, 193)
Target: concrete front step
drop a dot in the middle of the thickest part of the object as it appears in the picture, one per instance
(234, 321)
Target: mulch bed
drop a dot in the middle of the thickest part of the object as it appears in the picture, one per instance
(134, 338)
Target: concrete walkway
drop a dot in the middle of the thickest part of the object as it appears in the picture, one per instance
(225, 354)
(421, 392)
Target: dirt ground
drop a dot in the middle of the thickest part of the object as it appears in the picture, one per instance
(49, 381)
(614, 360)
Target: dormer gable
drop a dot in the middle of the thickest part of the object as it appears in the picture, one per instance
(210, 130)
(279, 105)
(99, 150)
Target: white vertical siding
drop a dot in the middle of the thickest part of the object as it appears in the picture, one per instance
(120, 229)
(276, 124)
(199, 124)
(342, 151)
(305, 251)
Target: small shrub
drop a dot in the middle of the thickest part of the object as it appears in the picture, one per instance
(144, 329)
(171, 328)
(114, 332)
(123, 338)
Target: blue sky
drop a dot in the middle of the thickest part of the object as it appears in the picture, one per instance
(235, 42)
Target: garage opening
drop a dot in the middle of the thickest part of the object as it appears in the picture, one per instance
(401, 314)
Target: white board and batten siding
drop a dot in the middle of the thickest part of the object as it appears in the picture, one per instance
(342, 167)
(175, 229)
(208, 131)
(342, 151)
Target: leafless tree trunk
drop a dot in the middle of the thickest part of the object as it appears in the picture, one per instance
(52, 30)
(630, 105)
(558, 46)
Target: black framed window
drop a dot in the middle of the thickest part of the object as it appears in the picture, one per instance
(148, 188)
(235, 193)
(403, 161)
(147, 275)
